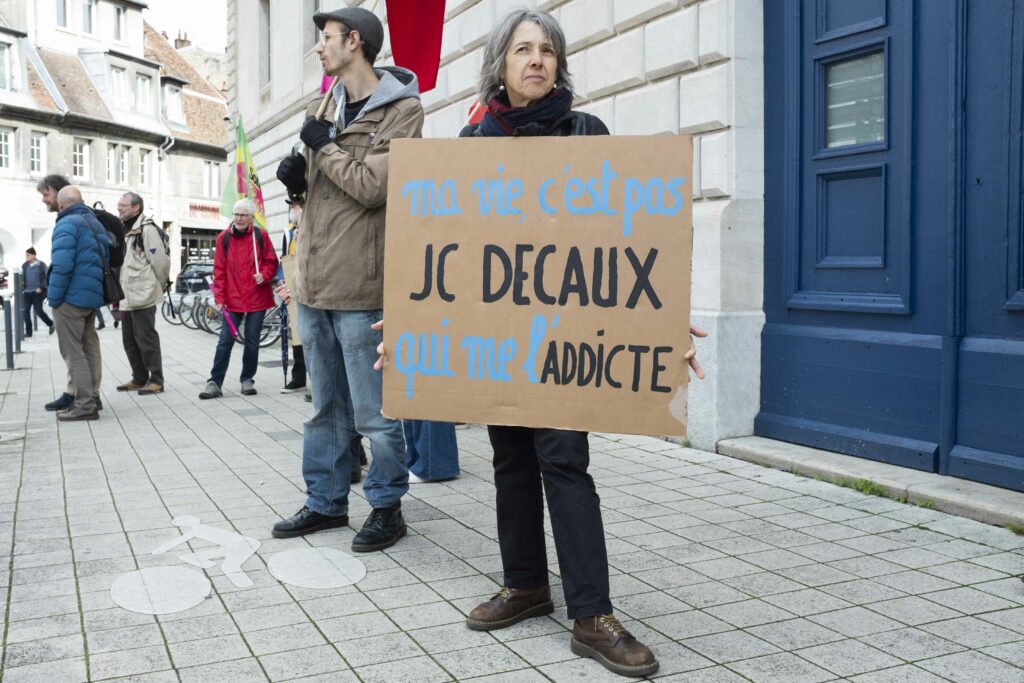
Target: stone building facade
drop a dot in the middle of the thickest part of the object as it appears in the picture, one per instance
(92, 92)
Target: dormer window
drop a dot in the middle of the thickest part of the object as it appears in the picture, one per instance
(143, 93)
(118, 86)
(175, 111)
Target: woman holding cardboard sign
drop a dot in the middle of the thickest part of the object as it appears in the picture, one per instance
(526, 85)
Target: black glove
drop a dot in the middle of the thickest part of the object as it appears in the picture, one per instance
(292, 173)
(316, 134)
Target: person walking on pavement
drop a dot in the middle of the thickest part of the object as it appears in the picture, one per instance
(33, 276)
(75, 292)
(340, 281)
(144, 273)
(48, 189)
(244, 263)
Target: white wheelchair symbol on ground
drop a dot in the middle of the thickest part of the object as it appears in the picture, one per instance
(164, 590)
(233, 548)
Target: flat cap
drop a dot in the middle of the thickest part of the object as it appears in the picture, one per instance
(362, 20)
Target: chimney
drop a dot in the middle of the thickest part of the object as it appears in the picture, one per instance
(182, 41)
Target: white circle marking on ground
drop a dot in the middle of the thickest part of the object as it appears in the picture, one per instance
(160, 590)
(316, 568)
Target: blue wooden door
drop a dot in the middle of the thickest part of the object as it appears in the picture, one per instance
(989, 443)
(890, 334)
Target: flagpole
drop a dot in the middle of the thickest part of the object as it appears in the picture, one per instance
(472, 112)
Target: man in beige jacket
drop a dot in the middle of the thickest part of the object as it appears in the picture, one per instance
(340, 282)
(144, 273)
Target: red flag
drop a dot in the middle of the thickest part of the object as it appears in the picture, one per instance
(415, 27)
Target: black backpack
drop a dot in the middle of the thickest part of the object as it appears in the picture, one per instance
(115, 234)
(226, 239)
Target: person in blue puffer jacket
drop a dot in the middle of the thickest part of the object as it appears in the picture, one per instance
(75, 291)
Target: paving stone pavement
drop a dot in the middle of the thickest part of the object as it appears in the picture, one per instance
(730, 571)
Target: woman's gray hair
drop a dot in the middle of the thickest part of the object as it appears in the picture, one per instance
(498, 44)
(247, 205)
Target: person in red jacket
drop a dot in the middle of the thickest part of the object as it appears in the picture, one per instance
(244, 263)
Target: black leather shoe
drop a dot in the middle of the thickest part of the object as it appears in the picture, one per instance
(382, 529)
(62, 402)
(306, 521)
(99, 403)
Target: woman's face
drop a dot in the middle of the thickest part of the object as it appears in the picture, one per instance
(530, 65)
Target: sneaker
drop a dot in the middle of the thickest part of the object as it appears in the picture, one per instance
(510, 606)
(306, 521)
(212, 390)
(62, 402)
(606, 640)
(292, 387)
(413, 479)
(248, 388)
(131, 386)
(308, 397)
(151, 388)
(382, 529)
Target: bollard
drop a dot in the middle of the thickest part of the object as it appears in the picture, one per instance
(8, 341)
(17, 296)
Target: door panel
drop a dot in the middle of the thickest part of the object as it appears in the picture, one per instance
(852, 352)
(894, 265)
(990, 415)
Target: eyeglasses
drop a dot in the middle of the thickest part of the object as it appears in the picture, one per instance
(325, 36)
(241, 215)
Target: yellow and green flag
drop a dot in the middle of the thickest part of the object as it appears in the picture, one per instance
(244, 183)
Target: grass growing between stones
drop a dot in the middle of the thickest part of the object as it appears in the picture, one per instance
(865, 486)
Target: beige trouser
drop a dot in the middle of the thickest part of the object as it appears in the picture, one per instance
(80, 348)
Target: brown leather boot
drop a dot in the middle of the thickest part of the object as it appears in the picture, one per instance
(603, 638)
(510, 606)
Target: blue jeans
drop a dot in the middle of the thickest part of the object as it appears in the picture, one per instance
(431, 451)
(250, 327)
(340, 350)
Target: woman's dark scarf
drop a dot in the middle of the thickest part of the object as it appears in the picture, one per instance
(502, 120)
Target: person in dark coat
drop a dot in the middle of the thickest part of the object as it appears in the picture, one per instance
(33, 278)
(526, 84)
(75, 291)
(244, 264)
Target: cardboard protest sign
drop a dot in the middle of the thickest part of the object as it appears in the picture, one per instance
(540, 282)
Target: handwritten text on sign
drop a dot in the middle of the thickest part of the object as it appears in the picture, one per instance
(539, 282)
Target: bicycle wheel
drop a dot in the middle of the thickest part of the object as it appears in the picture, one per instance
(170, 312)
(211, 317)
(271, 330)
(187, 312)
